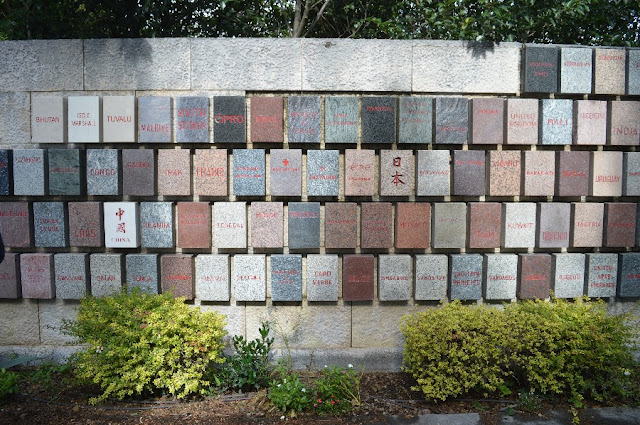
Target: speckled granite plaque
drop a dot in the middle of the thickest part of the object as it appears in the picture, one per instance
(415, 119)
(85, 224)
(602, 275)
(248, 277)
(143, 271)
(50, 224)
(323, 172)
(394, 277)
(174, 172)
(229, 119)
(249, 172)
(397, 173)
(176, 275)
(434, 173)
(156, 224)
(28, 172)
(357, 277)
(569, 275)
(230, 224)
(359, 172)
(304, 119)
(286, 277)
(103, 177)
(341, 119)
(71, 275)
(212, 277)
(501, 276)
(465, 277)
(106, 274)
(154, 119)
(535, 276)
(304, 225)
(378, 119)
(36, 276)
(285, 166)
(191, 116)
(432, 273)
(449, 225)
(322, 277)
(452, 120)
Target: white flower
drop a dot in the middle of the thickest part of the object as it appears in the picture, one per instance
(627, 373)
(285, 381)
(282, 417)
(350, 366)
(304, 390)
(99, 349)
(279, 385)
(325, 366)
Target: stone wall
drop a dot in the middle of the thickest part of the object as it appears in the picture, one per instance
(329, 186)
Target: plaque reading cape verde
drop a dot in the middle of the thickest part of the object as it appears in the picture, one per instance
(154, 119)
(378, 120)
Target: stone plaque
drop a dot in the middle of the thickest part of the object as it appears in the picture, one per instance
(505, 169)
(341, 119)
(469, 173)
(304, 119)
(415, 119)
(266, 119)
(249, 278)
(248, 172)
(323, 172)
(501, 276)
(602, 275)
(304, 225)
(103, 176)
(573, 173)
(465, 276)
(191, 116)
(85, 224)
(286, 172)
(633, 72)
(588, 219)
(569, 275)
(142, 271)
(47, 119)
(286, 278)
(591, 122)
(322, 278)
(539, 173)
(106, 274)
(118, 119)
(358, 277)
(397, 173)
(431, 277)
(610, 67)
(449, 225)
(394, 277)
(625, 123)
(9, 282)
(138, 172)
(555, 221)
(535, 276)
(229, 119)
(71, 276)
(576, 65)
(121, 225)
(154, 119)
(359, 172)
(340, 227)
(212, 277)
(36, 276)
(64, 172)
(176, 275)
(631, 184)
(83, 119)
(376, 224)
(629, 285)
(638, 227)
(452, 120)
(174, 172)
(230, 224)
(522, 121)
(434, 173)
(28, 172)
(5, 173)
(541, 69)
(15, 228)
(413, 225)
(607, 173)
(488, 121)
(620, 224)
(378, 119)
(193, 225)
(557, 122)
(519, 225)
(210, 172)
(50, 224)
(156, 224)
(266, 224)
(485, 224)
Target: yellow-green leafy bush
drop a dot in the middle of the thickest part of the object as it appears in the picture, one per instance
(138, 343)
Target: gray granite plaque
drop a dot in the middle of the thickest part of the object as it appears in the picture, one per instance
(602, 275)
(469, 171)
(465, 276)
(378, 120)
(138, 172)
(638, 225)
(397, 173)
(554, 224)
(286, 172)
(303, 123)
(143, 272)
(449, 225)
(230, 224)
(541, 69)
(394, 277)
(28, 172)
(633, 71)
(9, 277)
(322, 277)
(323, 172)
(286, 278)
(501, 276)
(557, 121)
(576, 66)
(64, 172)
(103, 177)
(304, 225)
(629, 283)
(434, 173)
(248, 172)
(631, 177)
(212, 277)
(47, 119)
(118, 119)
(229, 119)
(106, 274)
(154, 119)
(452, 120)
(50, 224)
(71, 275)
(192, 119)
(569, 275)
(156, 224)
(519, 225)
(249, 277)
(431, 277)
(340, 119)
(415, 119)
(83, 119)
(5, 173)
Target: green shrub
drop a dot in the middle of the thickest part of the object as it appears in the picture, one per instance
(337, 390)
(8, 383)
(138, 343)
(287, 392)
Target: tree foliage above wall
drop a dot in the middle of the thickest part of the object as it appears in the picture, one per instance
(597, 22)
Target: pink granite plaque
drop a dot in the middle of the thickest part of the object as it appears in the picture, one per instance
(174, 172)
(607, 174)
(591, 122)
(340, 228)
(588, 218)
(85, 224)
(357, 277)
(36, 276)
(194, 225)
(359, 175)
(14, 224)
(573, 173)
(485, 224)
(522, 121)
(554, 223)
(535, 276)
(267, 224)
(210, 172)
(539, 173)
(9, 285)
(286, 172)
(488, 121)
(610, 65)
(413, 225)
(177, 275)
(620, 224)
(625, 123)
(504, 173)
(376, 225)
(267, 119)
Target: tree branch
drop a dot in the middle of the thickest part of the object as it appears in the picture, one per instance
(318, 16)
